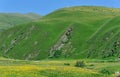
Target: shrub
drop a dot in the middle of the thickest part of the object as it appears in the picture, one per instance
(57, 53)
(80, 64)
(67, 64)
(91, 65)
(105, 71)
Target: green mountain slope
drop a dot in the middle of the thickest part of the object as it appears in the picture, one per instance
(105, 42)
(8, 20)
(66, 33)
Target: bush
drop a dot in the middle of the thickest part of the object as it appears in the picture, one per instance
(57, 53)
(67, 64)
(80, 64)
(105, 71)
(91, 65)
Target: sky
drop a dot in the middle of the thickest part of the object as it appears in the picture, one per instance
(44, 7)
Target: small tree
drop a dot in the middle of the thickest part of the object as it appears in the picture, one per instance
(80, 64)
(57, 53)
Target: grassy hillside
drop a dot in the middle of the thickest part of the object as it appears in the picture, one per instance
(66, 33)
(105, 42)
(8, 20)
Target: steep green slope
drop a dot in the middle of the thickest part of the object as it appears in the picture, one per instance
(65, 33)
(8, 20)
(105, 42)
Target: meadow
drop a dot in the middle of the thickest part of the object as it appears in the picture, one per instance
(58, 68)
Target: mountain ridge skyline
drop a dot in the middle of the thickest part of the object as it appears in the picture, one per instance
(46, 7)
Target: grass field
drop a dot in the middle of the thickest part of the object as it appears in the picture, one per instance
(53, 68)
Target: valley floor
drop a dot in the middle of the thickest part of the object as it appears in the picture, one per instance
(58, 68)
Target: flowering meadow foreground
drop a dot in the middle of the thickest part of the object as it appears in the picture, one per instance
(62, 68)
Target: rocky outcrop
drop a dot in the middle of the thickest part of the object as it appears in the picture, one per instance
(55, 50)
(20, 37)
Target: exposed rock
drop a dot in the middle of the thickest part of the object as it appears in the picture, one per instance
(36, 42)
(119, 58)
(62, 41)
(32, 55)
(117, 74)
(9, 35)
(32, 27)
(26, 37)
(13, 42)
